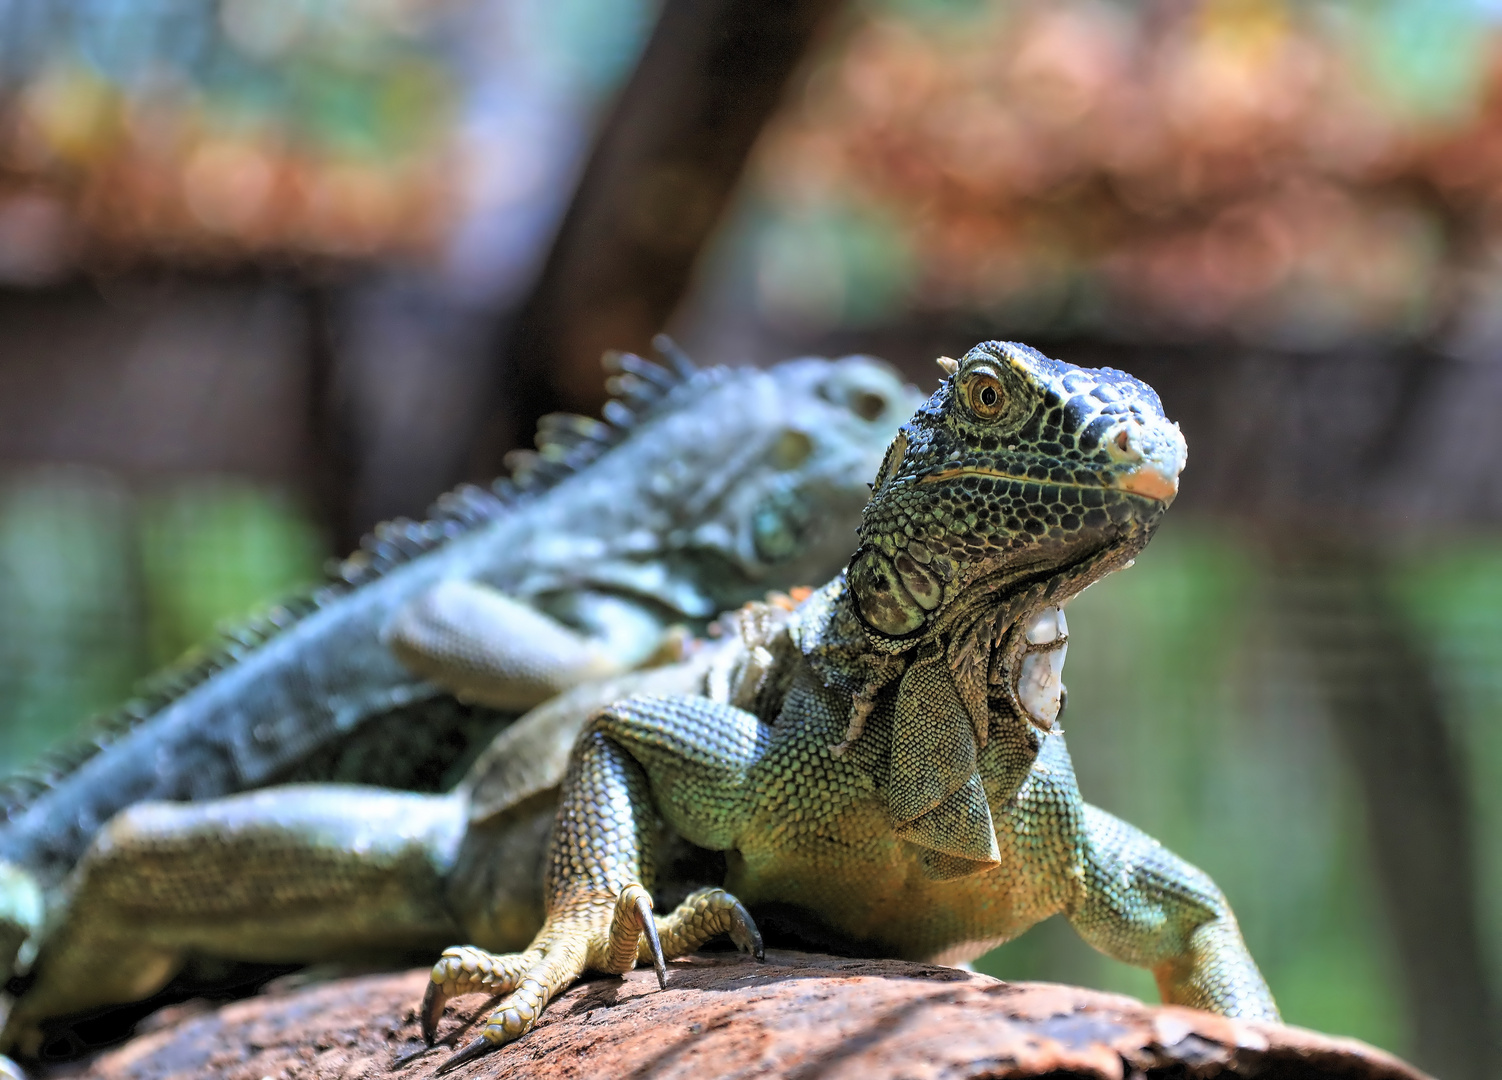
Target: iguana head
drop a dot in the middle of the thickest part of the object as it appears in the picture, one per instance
(1018, 469)
(827, 423)
(1021, 481)
(738, 481)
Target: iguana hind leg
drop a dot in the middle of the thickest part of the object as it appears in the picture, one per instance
(293, 874)
(1144, 905)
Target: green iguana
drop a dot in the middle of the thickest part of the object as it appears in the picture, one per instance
(897, 778)
(879, 771)
(699, 490)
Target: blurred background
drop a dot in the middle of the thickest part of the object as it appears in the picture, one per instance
(272, 272)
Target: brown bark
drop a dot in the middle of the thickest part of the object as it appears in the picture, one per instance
(797, 1016)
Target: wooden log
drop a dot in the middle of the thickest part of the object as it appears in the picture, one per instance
(722, 1015)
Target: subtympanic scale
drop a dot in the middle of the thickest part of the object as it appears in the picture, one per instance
(1040, 686)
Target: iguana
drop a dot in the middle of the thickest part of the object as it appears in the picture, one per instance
(878, 771)
(698, 490)
(897, 779)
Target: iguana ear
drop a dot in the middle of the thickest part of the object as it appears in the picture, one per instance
(935, 797)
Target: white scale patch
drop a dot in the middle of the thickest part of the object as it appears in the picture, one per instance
(1040, 682)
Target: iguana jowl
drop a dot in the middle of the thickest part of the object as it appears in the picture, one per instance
(897, 777)
(701, 490)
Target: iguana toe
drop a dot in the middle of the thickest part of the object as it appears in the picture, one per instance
(464, 969)
(704, 915)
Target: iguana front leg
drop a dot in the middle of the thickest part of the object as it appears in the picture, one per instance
(599, 907)
(489, 648)
(1142, 904)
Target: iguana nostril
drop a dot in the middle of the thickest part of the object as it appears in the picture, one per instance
(1156, 461)
(1123, 446)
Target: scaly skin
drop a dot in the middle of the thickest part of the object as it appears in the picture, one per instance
(705, 489)
(899, 781)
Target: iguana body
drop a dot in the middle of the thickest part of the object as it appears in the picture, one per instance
(303, 873)
(704, 489)
(899, 781)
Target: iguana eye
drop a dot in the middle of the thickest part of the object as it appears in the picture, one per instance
(984, 395)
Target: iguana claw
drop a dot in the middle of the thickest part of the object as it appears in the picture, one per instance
(653, 943)
(469, 1053)
(743, 931)
(433, 1001)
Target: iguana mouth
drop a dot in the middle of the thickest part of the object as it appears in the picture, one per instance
(1151, 480)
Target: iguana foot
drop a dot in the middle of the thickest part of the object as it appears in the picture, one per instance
(586, 935)
(577, 939)
(464, 969)
(705, 914)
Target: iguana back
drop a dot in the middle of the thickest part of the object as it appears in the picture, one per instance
(699, 490)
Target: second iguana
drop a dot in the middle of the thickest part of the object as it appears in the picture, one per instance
(699, 490)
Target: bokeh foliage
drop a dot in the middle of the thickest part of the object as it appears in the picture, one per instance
(100, 585)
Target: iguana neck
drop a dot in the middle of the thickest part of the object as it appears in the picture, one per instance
(979, 633)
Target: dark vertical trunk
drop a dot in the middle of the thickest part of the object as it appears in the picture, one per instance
(332, 465)
(655, 185)
(1388, 710)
